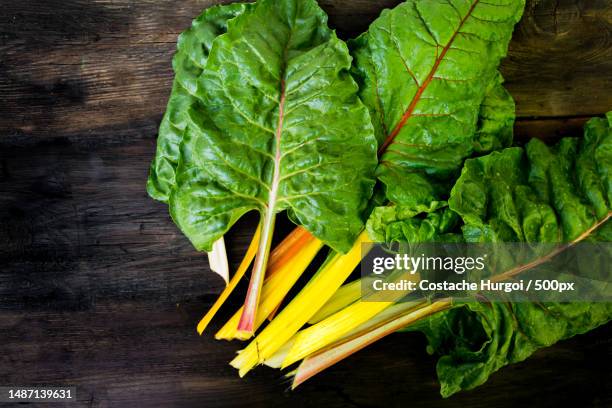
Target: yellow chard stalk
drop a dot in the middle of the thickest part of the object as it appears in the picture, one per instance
(331, 329)
(347, 294)
(282, 254)
(276, 359)
(390, 313)
(248, 258)
(314, 295)
(371, 332)
(340, 323)
(281, 279)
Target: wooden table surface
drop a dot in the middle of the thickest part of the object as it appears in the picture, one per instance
(99, 289)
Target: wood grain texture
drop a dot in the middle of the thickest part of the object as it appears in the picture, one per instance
(99, 289)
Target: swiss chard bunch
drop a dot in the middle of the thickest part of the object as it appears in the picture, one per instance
(271, 112)
(427, 72)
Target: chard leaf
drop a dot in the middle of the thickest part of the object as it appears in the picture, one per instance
(540, 193)
(537, 194)
(192, 52)
(477, 339)
(280, 127)
(424, 69)
(395, 223)
(494, 129)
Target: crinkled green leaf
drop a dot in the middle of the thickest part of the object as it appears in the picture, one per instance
(424, 69)
(477, 339)
(192, 52)
(395, 223)
(281, 127)
(494, 129)
(537, 194)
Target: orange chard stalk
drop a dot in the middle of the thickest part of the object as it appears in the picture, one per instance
(279, 282)
(288, 248)
(246, 325)
(281, 254)
(300, 237)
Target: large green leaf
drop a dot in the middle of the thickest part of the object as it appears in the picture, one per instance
(424, 69)
(540, 193)
(192, 52)
(280, 127)
(537, 194)
(477, 339)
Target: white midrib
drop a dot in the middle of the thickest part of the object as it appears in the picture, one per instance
(248, 317)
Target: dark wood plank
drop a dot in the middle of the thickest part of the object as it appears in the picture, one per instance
(145, 354)
(549, 129)
(560, 59)
(96, 66)
(79, 225)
